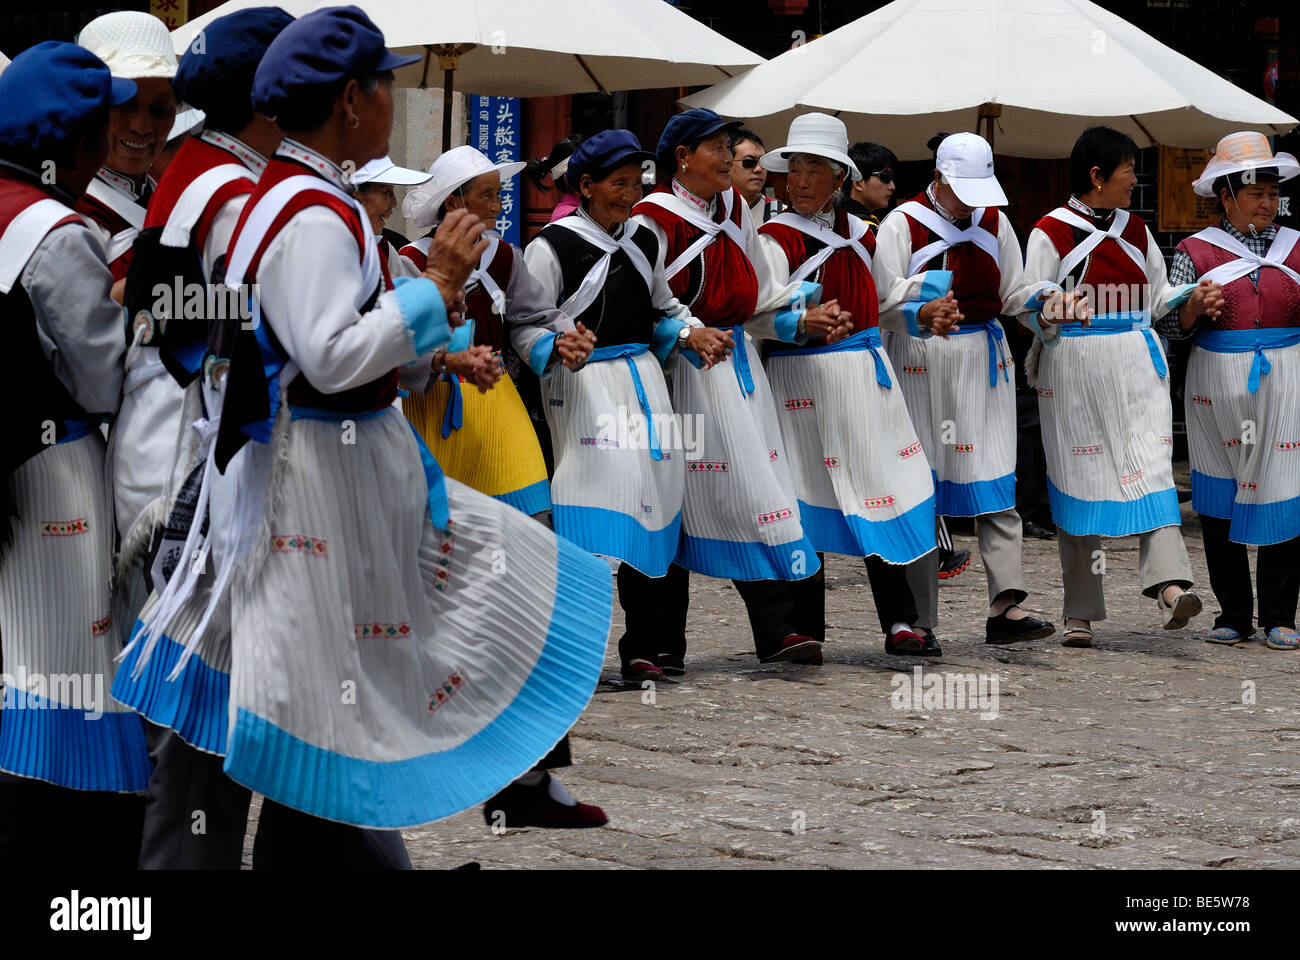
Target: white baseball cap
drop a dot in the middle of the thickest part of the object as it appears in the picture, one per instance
(383, 170)
(188, 119)
(966, 162)
(454, 168)
(817, 134)
(134, 45)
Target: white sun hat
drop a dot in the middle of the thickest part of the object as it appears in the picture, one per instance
(451, 170)
(818, 134)
(187, 120)
(135, 45)
(1239, 152)
(383, 170)
(966, 162)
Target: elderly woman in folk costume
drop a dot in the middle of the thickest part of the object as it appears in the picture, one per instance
(863, 482)
(473, 418)
(1243, 389)
(192, 215)
(72, 762)
(619, 466)
(1103, 390)
(740, 517)
(948, 263)
(350, 549)
(374, 185)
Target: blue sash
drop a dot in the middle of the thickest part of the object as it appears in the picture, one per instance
(868, 339)
(1129, 320)
(997, 348)
(740, 360)
(1244, 341)
(627, 351)
(78, 429)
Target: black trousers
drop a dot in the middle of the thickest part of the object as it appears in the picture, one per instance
(41, 823)
(889, 591)
(655, 611)
(1277, 574)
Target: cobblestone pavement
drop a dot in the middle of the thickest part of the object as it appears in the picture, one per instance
(1151, 749)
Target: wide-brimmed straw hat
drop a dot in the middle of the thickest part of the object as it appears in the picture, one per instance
(1239, 152)
(453, 169)
(816, 134)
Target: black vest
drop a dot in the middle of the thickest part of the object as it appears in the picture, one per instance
(623, 311)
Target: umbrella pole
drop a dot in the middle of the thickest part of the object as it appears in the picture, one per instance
(447, 84)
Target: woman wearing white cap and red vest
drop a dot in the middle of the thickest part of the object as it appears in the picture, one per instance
(136, 46)
(447, 654)
(947, 264)
(1103, 388)
(863, 482)
(374, 184)
(740, 517)
(1243, 390)
(72, 763)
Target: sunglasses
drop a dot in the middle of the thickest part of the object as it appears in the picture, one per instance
(884, 176)
(749, 163)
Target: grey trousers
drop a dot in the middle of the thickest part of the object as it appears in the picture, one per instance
(1000, 539)
(1162, 559)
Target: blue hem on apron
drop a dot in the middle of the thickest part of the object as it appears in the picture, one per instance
(747, 560)
(428, 787)
(196, 705)
(531, 499)
(952, 499)
(613, 534)
(900, 539)
(1113, 518)
(1256, 524)
(108, 753)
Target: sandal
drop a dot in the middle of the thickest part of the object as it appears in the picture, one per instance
(1185, 606)
(1227, 636)
(1076, 636)
(1283, 638)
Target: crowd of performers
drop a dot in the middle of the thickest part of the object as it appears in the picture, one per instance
(331, 515)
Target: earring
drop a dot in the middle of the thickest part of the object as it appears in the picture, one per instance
(353, 122)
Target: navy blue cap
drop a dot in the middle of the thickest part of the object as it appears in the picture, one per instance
(319, 51)
(49, 91)
(218, 78)
(603, 152)
(694, 124)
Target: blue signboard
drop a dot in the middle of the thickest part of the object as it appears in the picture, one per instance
(496, 130)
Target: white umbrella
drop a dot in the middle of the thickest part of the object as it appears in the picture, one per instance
(4, 62)
(538, 48)
(1042, 70)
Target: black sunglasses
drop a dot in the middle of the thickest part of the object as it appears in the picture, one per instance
(749, 163)
(884, 176)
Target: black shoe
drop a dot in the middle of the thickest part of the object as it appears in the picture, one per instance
(913, 643)
(1038, 532)
(999, 629)
(671, 665)
(952, 563)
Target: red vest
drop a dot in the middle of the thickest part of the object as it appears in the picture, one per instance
(110, 220)
(1273, 301)
(976, 279)
(195, 157)
(488, 327)
(843, 275)
(1108, 265)
(379, 392)
(721, 287)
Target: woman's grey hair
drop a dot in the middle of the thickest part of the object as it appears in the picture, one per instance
(838, 168)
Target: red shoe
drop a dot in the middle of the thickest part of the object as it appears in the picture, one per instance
(795, 647)
(634, 671)
(521, 806)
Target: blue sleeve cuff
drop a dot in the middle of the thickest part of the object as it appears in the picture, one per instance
(1182, 296)
(665, 337)
(786, 322)
(540, 354)
(934, 284)
(1035, 307)
(462, 337)
(693, 358)
(423, 312)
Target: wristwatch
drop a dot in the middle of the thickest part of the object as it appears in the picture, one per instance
(683, 335)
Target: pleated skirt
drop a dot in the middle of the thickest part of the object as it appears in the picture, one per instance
(58, 636)
(609, 494)
(740, 517)
(1107, 430)
(494, 450)
(1244, 447)
(857, 464)
(967, 427)
(387, 673)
